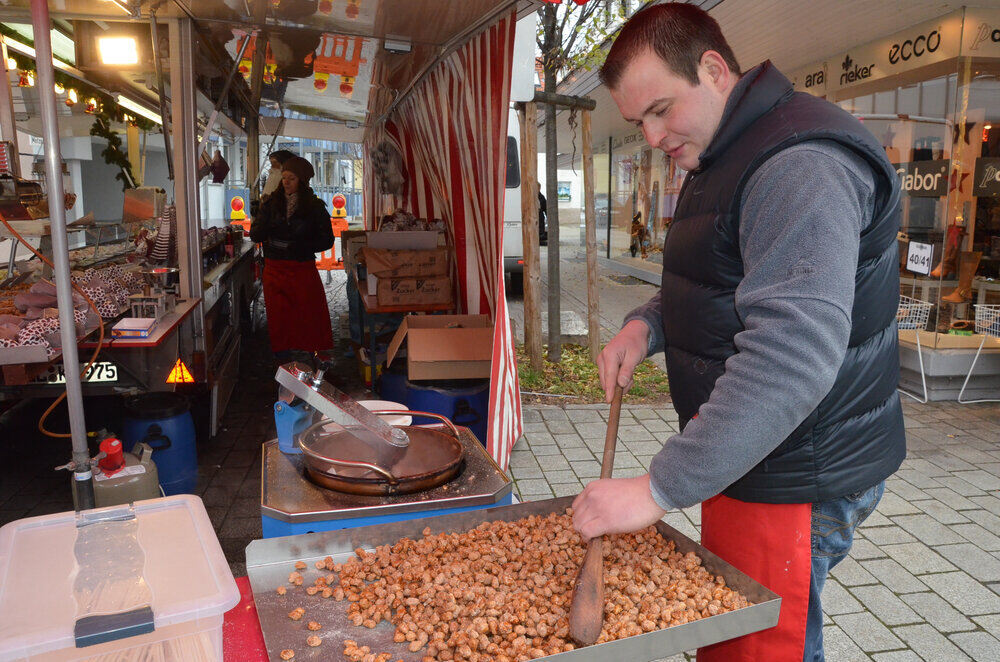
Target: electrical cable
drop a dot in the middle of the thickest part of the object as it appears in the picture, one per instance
(97, 350)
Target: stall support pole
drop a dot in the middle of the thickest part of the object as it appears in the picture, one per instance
(529, 234)
(8, 127)
(82, 485)
(590, 220)
(184, 129)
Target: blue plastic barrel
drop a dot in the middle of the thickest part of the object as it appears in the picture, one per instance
(163, 420)
(465, 402)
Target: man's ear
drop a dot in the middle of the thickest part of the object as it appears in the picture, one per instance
(714, 68)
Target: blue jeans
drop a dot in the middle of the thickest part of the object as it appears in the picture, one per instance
(833, 525)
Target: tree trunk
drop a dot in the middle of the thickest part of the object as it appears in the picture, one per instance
(551, 41)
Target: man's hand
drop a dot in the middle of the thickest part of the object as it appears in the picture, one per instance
(617, 361)
(615, 505)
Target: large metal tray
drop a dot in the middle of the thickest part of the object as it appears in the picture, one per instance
(269, 562)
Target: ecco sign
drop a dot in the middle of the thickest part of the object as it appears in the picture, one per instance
(923, 179)
(911, 48)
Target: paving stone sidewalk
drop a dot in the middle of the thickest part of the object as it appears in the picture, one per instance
(923, 578)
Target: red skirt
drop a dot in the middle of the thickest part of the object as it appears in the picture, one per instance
(297, 313)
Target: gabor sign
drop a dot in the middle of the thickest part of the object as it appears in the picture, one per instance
(924, 179)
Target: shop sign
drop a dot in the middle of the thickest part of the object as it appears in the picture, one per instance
(981, 37)
(987, 176)
(923, 179)
(927, 43)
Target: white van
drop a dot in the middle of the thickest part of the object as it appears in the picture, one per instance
(513, 248)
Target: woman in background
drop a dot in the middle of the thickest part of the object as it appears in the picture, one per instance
(294, 225)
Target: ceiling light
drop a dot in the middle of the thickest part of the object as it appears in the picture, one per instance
(138, 109)
(118, 51)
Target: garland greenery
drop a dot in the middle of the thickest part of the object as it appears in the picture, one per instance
(113, 154)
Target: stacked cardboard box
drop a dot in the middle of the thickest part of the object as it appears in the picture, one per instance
(408, 277)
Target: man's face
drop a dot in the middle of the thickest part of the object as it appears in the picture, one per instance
(674, 115)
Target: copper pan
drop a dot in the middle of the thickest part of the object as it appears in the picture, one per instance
(339, 461)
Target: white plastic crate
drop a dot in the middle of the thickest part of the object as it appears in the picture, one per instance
(184, 578)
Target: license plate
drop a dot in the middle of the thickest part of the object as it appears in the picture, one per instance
(101, 371)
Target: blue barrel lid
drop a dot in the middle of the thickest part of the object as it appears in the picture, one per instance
(156, 405)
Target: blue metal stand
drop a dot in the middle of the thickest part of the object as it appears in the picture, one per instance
(274, 528)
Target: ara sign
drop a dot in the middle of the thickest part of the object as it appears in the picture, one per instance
(923, 179)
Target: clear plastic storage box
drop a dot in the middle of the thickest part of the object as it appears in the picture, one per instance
(127, 583)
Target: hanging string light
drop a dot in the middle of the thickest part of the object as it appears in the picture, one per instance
(59, 88)
(91, 107)
(71, 98)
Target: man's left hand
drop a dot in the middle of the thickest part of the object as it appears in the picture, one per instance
(615, 505)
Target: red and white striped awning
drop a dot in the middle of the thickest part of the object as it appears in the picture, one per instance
(451, 132)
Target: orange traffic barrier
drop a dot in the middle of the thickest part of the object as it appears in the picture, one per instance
(328, 259)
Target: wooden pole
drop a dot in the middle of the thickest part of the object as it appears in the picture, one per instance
(590, 220)
(529, 234)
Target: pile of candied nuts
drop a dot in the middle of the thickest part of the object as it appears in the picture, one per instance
(501, 592)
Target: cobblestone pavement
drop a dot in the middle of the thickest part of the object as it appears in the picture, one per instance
(923, 579)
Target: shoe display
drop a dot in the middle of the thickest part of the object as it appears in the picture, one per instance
(967, 265)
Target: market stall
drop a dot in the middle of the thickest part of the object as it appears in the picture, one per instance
(162, 293)
(398, 541)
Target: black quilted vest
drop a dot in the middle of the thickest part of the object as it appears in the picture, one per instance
(854, 438)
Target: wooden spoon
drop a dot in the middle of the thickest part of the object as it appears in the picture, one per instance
(586, 612)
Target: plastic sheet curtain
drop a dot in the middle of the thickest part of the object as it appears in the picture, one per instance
(452, 133)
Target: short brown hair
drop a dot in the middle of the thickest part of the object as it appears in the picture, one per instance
(679, 34)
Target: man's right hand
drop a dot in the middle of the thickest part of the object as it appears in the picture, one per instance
(618, 359)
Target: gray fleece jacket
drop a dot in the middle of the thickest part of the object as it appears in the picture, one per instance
(802, 215)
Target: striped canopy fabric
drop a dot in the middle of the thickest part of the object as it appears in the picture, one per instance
(451, 133)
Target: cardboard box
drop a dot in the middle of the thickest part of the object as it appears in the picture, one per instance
(413, 291)
(412, 239)
(385, 263)
(445, 346)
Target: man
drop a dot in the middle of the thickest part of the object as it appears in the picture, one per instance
(776, 314)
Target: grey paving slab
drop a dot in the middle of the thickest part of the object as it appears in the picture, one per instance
(888, 535)
(553, 414)
(930, 644)
(850, 573)
(534, 487)
(567, 489)
(625, 459)
(936, 611)
(592, 430)
(657, 426)
(964, 593)
(875, 519)
(838, 646)
(560, 427)
(980, 564)
(534, 471)
(987, 520)
(557, 477)
(683, 524)
(543, 450)
(918, 558)
(568, 440)
(836, 600)
(544, 437)
(984, 480)
(980, 646)
(579, 416)
(990, 623)
(926, 529)
(892, 574)
(586, 470)
(578, 454)
(941, 512)
(893, 504)
(865, 549)
(978, 536)
(635, 433)
(628, 472)
(959, 485)
(870, 635)
(988, 502)
(554, 463)
(886, 606)
(897, 656)
(972, 456)
(950, 498)
(904, 490)
(949, 460)
(644, 447)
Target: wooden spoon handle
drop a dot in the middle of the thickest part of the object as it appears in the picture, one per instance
(586, 611)
(611, 436)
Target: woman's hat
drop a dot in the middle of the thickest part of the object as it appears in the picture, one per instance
(298, 165)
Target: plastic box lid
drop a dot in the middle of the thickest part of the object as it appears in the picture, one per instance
(186, 572)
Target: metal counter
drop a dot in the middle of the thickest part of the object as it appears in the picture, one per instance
(289, 496)
(270, 561)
